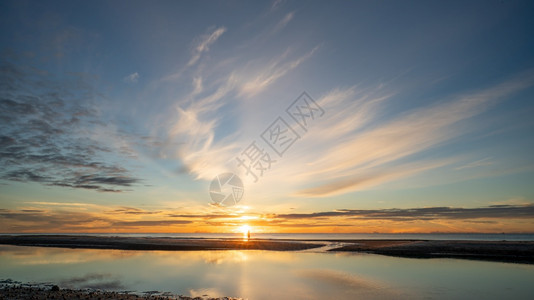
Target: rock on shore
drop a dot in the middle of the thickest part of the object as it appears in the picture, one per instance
(16, 292)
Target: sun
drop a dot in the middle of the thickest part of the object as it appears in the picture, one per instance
(244, 229)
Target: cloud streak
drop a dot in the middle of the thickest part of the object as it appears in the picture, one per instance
(45, 134)
(354, 146)
(195, 117)
(203, 45)
(283, 23)
(269, 74)
(363, 152)
(132, 78)
(128, 219)
(426, 213)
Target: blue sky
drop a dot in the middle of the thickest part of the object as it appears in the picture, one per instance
(124, 111)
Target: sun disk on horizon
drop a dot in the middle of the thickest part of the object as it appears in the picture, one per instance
(245, 229)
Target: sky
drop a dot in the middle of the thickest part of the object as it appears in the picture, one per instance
(336, 116)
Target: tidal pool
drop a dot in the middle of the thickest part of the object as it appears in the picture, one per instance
(268, 274)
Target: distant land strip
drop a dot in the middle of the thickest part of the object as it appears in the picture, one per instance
(501, 251)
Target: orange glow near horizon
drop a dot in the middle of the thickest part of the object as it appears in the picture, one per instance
(245, 230)
(37, 219)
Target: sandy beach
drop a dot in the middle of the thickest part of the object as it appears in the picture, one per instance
(505, 251)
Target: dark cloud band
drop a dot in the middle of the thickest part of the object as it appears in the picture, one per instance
(46, 133)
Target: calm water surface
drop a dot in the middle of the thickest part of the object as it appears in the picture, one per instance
(269, 274)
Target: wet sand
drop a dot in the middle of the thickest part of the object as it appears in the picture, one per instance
(502, 251)
(505, 251)
(149, 243)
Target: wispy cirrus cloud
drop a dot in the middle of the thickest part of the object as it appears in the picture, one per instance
(363, 152)
(132, 78)
(204, 43)
(200, 47)
(283, 23)
(196, 115)
(478, 163)
(276, 4)
(196, 119)
(354, 147)
(192, 126)
(268, 74)
(369, 177)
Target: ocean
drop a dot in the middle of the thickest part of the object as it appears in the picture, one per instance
(331, 236)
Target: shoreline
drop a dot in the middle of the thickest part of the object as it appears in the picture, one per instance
(151, 243)
(10, 290)
(498, 251)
